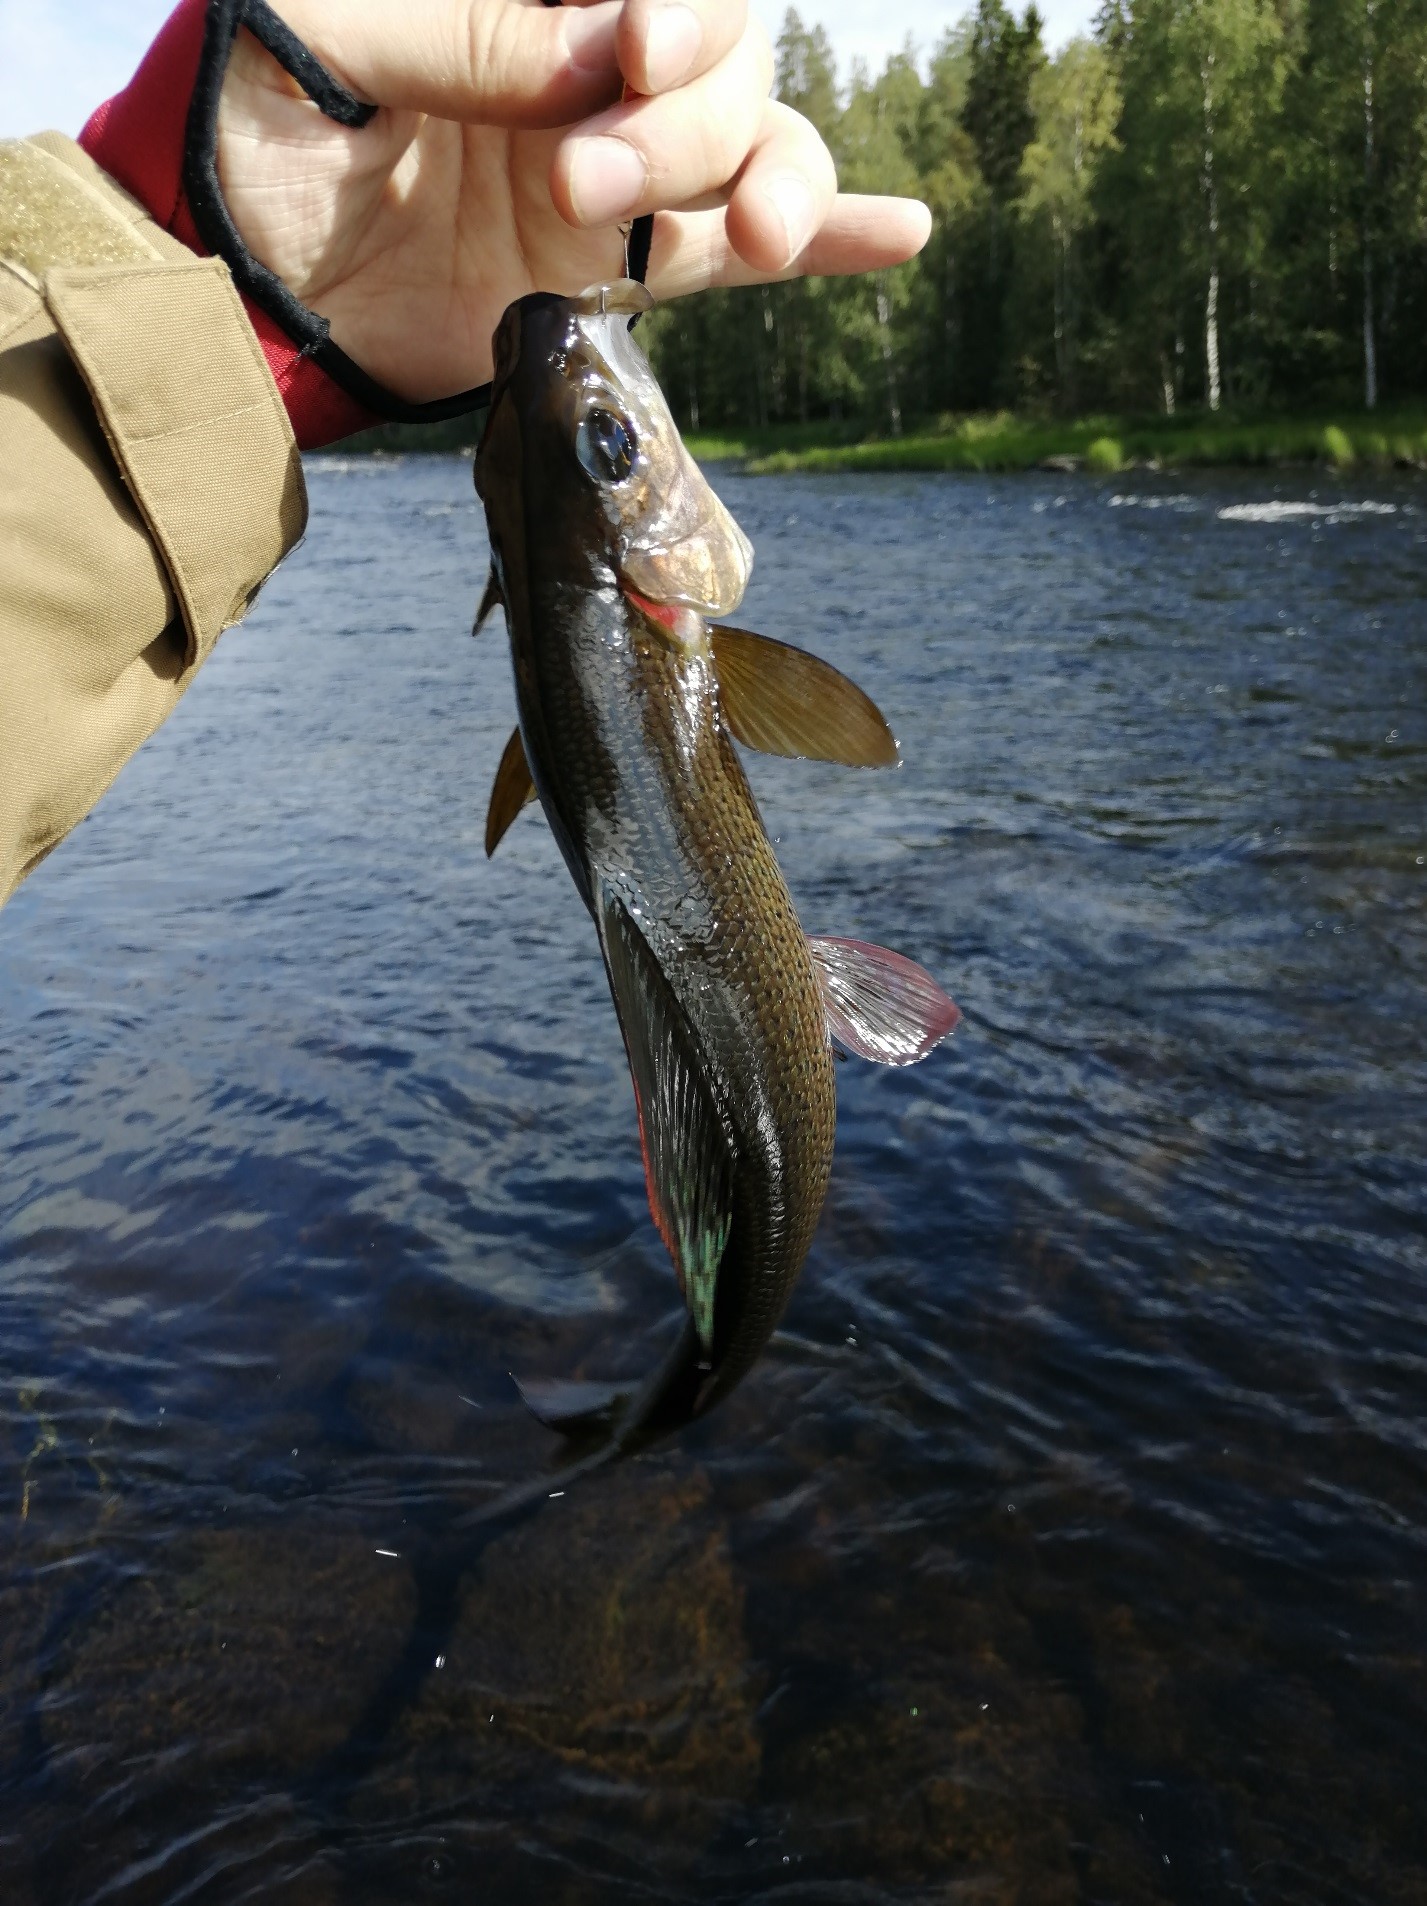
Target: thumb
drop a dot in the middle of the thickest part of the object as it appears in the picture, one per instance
(515, 63)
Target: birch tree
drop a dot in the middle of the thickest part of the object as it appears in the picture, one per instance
(1211, 202)
(1076, 105)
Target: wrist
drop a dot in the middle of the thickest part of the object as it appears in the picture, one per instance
(138, 137)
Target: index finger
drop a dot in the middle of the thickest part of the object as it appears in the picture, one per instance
(661, 44)
(496, 62)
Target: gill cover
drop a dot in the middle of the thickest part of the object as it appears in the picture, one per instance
(673, 540)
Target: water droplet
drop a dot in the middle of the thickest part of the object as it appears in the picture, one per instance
(440, 1661)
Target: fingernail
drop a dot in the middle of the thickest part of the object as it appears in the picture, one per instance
(791, 199)
(589, 38)
(607, 178)
(671, 45)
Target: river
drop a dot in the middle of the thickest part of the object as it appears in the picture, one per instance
(1068, 1543)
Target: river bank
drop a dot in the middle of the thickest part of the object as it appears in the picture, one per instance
(1005, 441)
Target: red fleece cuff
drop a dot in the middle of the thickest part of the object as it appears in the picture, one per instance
(137, 137)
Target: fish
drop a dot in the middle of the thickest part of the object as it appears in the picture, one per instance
(616, 565)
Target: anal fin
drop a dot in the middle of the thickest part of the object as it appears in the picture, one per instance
(514, 789)
(879, 1004)
(781, 700)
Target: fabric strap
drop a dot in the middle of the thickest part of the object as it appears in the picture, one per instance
(214, 222)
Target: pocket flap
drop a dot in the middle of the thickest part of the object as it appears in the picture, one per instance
(195, 422)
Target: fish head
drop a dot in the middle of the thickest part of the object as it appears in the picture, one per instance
(580, 428)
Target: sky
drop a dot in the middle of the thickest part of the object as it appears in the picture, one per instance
(60, 58)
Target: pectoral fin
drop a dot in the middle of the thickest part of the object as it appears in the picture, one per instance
(491, 598)
(781, 700)
(688, 1158)
(513, 790)
(879, 1005)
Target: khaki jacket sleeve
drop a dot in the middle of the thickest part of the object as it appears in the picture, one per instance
(149, 483)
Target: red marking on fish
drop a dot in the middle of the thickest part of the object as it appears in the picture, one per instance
(665, 612)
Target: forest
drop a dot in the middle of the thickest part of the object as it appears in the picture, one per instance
(1206, 205)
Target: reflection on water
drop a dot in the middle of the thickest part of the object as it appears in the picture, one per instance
(1067, 1544)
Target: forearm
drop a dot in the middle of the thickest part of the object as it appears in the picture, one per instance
(149, 482)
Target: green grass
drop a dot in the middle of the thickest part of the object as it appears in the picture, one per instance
(1103, 445)
(1004, 441)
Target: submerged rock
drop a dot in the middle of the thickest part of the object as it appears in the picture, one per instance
(250, 1648)
(595, 1685)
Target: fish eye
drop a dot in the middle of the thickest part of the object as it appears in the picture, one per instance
(606, 445)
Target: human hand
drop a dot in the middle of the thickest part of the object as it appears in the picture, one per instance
(503, 160)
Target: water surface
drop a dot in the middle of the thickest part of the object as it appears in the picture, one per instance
(1068, 1543)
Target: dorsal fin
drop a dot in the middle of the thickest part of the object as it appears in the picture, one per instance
(781, 700)
(879, 1004)
(514, 788)
(688, 1155)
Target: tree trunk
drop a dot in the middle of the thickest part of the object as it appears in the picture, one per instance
(1369, 166)
(1059, 277)
(773, 331)
(1211, 195)
(949, 323)
(760, 379)
(884, 326)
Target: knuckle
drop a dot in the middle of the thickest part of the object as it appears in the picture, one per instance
(475, 51)
(797, 141)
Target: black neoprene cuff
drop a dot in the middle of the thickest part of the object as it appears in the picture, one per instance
(214, 222)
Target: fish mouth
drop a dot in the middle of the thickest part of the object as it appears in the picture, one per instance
(625, 296)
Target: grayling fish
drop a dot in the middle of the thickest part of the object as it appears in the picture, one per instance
(612, 558)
